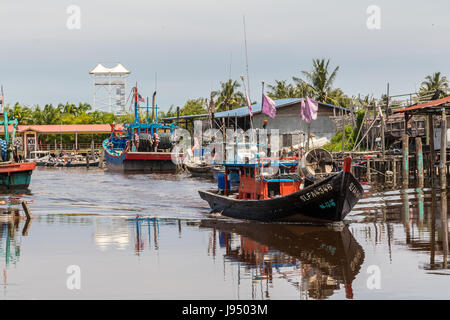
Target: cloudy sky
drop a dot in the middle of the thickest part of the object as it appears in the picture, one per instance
(192, 45)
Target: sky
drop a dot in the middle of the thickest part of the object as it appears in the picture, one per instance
(194, 45)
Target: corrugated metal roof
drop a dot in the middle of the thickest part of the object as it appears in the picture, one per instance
(256, 108)
(433, 103)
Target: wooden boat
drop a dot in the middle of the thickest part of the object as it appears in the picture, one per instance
(40, 157)
(285, 197)
(14, 175)
(140, 146)
(199, 169)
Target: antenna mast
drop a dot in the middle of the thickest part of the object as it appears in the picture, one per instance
(246, 58)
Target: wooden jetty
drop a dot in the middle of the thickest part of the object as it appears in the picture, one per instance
(418, 157)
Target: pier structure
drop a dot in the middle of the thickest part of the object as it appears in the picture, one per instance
(413, 152)
(29, 138)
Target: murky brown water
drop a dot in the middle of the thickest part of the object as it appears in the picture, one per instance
(394, 245)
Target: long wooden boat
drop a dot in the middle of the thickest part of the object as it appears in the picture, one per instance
(283, 199)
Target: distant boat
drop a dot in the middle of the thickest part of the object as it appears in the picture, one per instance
(199, 169)
(140, 146)
(13, 174)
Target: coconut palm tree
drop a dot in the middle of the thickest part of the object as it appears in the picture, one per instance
(228, 97)
(51, 115)
(23, 114)
(281, 90)
(320, 79)
(433, 82)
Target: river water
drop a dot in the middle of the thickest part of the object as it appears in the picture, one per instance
(101, 235)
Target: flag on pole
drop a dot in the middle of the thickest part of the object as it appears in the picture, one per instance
(268, 106)
(308, 109)
(140, 98)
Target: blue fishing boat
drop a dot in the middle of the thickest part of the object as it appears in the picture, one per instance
(143, 145)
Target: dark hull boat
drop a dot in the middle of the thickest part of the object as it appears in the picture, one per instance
(328, 200)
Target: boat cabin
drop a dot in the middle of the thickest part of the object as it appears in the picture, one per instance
(256, 184)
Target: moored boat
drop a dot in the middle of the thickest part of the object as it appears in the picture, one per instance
(285, 197)
(14, 175)
(140, 146)
(199, 169)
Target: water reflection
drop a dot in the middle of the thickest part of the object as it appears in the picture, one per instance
(12, 228)
(144, 227)
(316, 260)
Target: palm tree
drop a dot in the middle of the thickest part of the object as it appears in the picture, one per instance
(83, 108)
(23, 114)
(320, 80)
(228, 97)
(433, 82)
(51, 115)
(281, 90)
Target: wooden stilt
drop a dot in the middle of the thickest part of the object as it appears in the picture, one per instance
(419, 159)
(443, 160)
(27, 210)
(405, 177)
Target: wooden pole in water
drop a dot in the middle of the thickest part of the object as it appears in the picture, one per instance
(442, 165)
(444, 224)
(394, 171)
(405, 141)
(431, 139)
(369, 178)
(419, 159)
(27, 210)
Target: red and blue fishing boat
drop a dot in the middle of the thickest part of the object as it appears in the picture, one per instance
(284, 196)
(140, 145)
(14, 175)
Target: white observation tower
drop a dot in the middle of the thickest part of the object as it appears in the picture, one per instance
(110, 88)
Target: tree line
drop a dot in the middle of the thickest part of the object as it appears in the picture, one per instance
(316, 83)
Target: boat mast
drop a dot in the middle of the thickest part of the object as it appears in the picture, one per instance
(135, 104)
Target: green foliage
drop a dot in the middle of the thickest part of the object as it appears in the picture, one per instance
(193, 106)
(63, 114)
(336, 141)
(434, 82)
(228, 97)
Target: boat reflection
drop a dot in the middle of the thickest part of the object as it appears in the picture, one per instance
(317, 260)
(10, 242)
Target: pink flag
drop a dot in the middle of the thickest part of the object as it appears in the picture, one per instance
(268, 106)
(308, 109)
